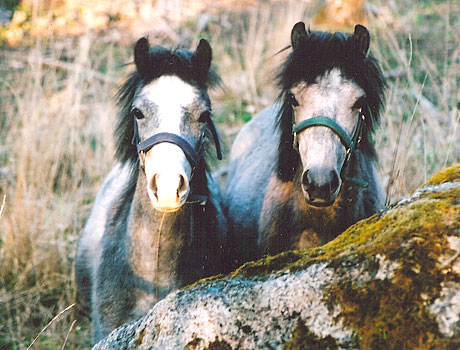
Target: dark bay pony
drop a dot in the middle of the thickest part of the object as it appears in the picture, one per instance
(302, 170)
(157, 222)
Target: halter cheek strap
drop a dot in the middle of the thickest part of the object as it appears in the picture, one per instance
(215, 136)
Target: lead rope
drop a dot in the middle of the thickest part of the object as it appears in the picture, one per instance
(157, 275)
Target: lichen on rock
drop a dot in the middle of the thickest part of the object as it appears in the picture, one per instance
(303, 339)
(391, 281)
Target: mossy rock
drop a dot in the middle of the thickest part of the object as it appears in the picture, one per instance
(303, 338)
(391, 281)
(451, 174)
(414, 235)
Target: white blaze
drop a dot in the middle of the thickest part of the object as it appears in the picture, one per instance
(165, 163)
(171, 94)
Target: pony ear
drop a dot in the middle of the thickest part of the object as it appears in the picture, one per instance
(142, 56)
(202, 58)
(361, 38)
(298, 35)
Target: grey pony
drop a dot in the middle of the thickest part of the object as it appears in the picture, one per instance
(116, 262)
(285, 192)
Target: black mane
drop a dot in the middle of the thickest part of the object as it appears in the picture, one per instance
(162, 61)
(319, 53)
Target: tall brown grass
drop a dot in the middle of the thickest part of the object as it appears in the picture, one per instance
(419, 134)
(58, 147)
(57, 115)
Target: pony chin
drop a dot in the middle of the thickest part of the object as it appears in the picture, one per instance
(320, 203)
(165, 209)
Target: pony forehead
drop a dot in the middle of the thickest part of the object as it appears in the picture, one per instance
(332, 80)
(169, 90)
(321, 52)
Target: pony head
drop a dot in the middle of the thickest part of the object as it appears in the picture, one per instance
(165, 115)
(332, 92)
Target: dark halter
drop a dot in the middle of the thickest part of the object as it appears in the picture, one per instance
(350, 143)
(193, 155)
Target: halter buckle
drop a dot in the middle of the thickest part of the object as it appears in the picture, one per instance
(295, 144)
(142, 159)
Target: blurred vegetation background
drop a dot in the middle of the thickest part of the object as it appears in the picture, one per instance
(61, 62)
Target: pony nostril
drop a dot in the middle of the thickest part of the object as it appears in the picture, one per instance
(153, 186)
(335, 183)
(306, 180)
(183, 186)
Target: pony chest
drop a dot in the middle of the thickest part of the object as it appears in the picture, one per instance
(287, 222)
(316, 226)
(153, 255)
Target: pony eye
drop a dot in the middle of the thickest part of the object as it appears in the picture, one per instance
(137, 113)
(204, 117)
(290, 98)
(360, 103)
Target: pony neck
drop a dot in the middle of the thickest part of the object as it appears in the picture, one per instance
(156, 242)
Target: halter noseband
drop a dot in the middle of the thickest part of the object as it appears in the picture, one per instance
(350, 143)
(193, 155)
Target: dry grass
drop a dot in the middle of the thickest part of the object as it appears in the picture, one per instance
(57, 149)
(57, 114)
(419, 134)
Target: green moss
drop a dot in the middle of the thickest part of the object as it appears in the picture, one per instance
(387, 315)
(303, 339)
(204, 281)
(450, 174)
(432, 215)
(259, 268)
(268, 264)
(393, 314)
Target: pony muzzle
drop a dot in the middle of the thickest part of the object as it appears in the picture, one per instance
(168, 192)
(320, 186)
(168, 175)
